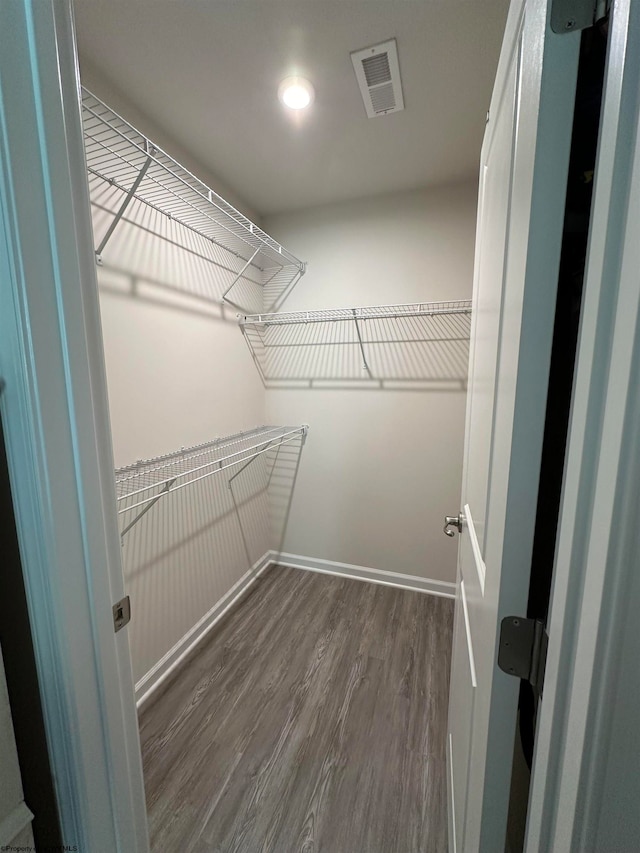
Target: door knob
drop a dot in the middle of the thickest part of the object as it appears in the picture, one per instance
(453, 521)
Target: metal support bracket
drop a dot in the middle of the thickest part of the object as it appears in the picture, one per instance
(249, 461)
(121, 209)
(567, 16)
(241, 273)
(144, 511)
(522, 651)
(365, 366)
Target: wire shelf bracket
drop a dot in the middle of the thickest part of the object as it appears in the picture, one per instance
(120, 157)
(365, 366)
(121, 210)
(240, 274)
(146, 482)
(136, 518)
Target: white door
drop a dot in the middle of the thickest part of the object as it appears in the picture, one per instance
(523, 177)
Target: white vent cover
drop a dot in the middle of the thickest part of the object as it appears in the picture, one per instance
(378, 74)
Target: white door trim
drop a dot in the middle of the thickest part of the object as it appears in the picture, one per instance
(54, 411)
(603, 458)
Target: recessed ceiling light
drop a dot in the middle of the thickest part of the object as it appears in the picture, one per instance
(295, 93)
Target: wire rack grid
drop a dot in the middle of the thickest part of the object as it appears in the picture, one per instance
(146, 480)
(426, 342)
(371, 312)
(120, 157)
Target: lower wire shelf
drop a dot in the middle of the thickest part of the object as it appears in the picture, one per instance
(140, 485)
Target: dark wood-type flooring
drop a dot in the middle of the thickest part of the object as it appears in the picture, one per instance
(311, 720)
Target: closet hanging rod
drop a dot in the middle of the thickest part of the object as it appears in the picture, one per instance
(116, 152)
(374, 312)
(166, 471)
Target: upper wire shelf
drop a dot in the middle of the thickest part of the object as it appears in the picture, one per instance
(371, 312)
(122, 158)
(382, 345)
(140, 485)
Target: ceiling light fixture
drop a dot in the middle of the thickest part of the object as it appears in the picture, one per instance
(295, 93)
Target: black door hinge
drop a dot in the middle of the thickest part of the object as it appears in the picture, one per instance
(522, 651)
(567, 16)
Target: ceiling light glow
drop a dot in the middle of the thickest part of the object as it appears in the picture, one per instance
(295, 93)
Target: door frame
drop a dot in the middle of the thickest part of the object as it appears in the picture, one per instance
(597, 530)
(54, 408)
(55, 415)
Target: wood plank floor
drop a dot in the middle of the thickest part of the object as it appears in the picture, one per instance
(311, 720)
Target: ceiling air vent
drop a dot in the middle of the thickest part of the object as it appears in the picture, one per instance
(378, 74)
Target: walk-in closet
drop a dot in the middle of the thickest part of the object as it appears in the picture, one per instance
(319, 447)
(285, 299)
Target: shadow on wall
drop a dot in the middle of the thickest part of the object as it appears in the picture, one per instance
(393, 353)
(191, 547)
(122, 283)
(152, 247)
(284, 464)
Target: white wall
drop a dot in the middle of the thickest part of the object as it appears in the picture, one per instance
(179, 373)
(381, 468)
(178, 370)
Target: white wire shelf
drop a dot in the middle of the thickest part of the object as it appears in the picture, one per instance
(140, 485)
(371, 312)
(120, 157)
(420, 342)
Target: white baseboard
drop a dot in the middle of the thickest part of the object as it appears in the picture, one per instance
(150, 682)
(362, 573)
